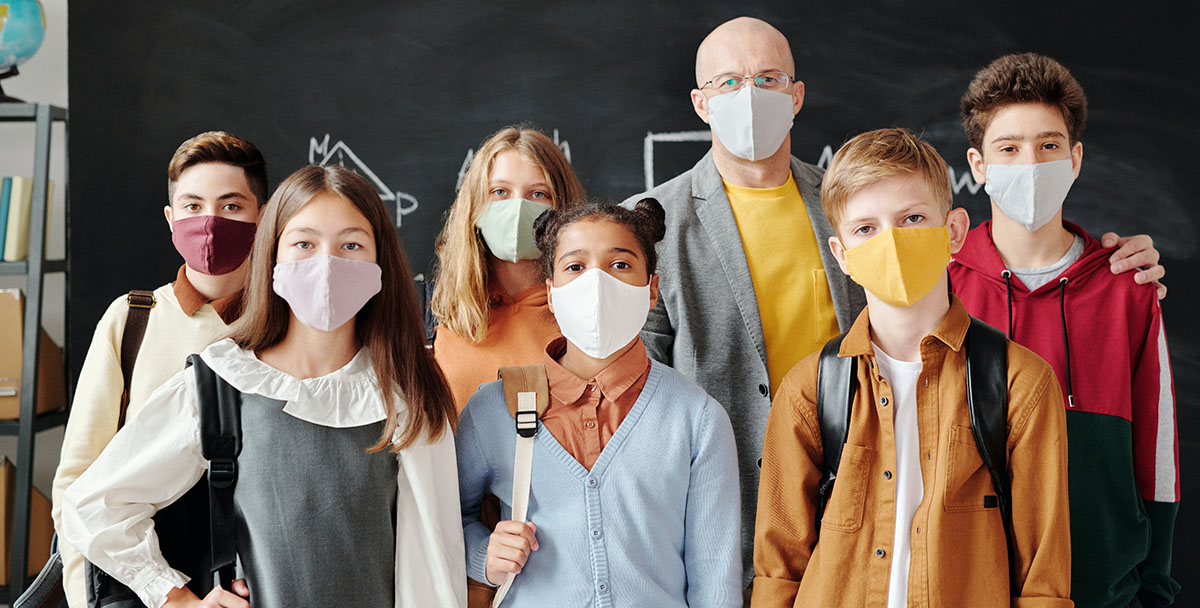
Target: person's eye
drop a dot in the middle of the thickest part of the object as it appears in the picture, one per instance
(304, 245)
(862, 230)
(192, 207)
(915, 218)
(729, 81)
(231, 207)
(575, 267)
(1050, 146)
(621, 265)
(1007, 149)
(540, 196)
(499, 192)
(352, 247)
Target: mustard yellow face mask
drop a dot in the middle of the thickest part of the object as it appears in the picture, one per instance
(900, 265)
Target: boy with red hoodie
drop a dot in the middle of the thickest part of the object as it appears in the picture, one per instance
(1046, 282)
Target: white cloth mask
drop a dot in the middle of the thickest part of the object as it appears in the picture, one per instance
(751, 122)
(327, 291)
(600, 313)
(1030, 195)
(507, 228)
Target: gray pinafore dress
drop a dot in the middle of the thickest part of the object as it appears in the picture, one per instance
(316, 512)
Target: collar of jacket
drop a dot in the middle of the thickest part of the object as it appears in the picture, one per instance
(952, 331)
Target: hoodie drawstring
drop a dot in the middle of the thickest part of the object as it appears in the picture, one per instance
(1007, 274)
(1062, 307)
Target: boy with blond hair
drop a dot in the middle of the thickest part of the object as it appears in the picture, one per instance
(913, 517)
(1045, 281)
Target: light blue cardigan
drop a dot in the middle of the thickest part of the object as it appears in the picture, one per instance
(654, 523)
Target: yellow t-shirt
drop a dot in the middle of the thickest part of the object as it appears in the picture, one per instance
(794, 301)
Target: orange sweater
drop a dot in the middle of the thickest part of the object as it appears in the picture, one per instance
(518, 331)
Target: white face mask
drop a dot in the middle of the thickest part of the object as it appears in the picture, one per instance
(600, 313)
(1030, 195)
(751, 122)
(507, 228)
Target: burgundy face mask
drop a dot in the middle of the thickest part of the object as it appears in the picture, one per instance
(213, 244)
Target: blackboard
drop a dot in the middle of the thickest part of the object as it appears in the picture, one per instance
(405, 90)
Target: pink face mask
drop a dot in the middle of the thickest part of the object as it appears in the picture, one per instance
(327, 291)
(213, 244)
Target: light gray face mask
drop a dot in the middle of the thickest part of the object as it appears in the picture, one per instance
(507, 228)
(751, 122)
(1030, 195)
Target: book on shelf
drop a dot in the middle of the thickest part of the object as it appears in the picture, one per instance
(5, 192)
(20, 204)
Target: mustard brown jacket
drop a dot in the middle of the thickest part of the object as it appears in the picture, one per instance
(959, 555)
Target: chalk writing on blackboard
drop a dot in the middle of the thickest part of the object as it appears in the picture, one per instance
(321, 153)
(958, 181)
(562, 144)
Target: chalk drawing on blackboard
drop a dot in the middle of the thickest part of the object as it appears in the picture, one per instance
(652, 138)
(563, 145)
(321, 153)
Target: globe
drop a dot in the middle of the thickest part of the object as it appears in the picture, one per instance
(22, 28)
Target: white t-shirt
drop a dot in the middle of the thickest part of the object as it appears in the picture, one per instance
(902, 376)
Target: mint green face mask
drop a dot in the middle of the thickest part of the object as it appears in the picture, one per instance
(507, 228)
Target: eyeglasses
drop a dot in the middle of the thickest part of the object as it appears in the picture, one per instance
(773, 80)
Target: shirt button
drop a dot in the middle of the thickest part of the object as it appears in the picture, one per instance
(595, 532)
(880, 553)
(762, 390)
(593, 483)
(591, 387)
(887, 474)
(883, 401)
(589, 424)
(602, 586)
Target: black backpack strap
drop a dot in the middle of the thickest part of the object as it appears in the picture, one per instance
(425, 299)
(835, 399)
(987, 399)
(220, 442)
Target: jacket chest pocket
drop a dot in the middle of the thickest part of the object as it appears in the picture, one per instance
(845, 509)
(968, 483)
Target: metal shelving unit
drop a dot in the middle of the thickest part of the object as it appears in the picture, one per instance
(43, 116)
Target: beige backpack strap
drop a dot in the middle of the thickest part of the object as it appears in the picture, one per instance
(526, 393)
(526, 379)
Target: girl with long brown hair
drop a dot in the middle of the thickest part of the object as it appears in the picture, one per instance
(346, 427)
(489, 300)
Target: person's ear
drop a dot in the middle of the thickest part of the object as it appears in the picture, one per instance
(797, 96)
(170, 215)
(839, 253)
(1077, 157)
(958, 223)
(978, 167)
(653, 290)
(549, 296)
(700, 104)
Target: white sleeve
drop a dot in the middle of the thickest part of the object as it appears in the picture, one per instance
(431, 567)
(153, 461)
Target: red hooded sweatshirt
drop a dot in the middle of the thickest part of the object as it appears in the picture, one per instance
(1103, 335)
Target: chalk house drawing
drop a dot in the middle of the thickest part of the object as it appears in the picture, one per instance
(958, 181)
(321, 153)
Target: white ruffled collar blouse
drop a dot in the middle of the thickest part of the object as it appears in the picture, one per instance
(346, 397)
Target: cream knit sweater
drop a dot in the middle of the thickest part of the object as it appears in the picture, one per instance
(171, 335)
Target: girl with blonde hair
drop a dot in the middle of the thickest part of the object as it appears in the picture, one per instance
(489, 299)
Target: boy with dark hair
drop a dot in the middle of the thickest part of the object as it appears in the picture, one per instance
(217, 185)
(1046, 282)
(914, 517)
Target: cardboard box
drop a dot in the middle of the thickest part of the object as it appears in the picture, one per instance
(52, 386)
(41, 526)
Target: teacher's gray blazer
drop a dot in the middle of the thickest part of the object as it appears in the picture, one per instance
(707, 325)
